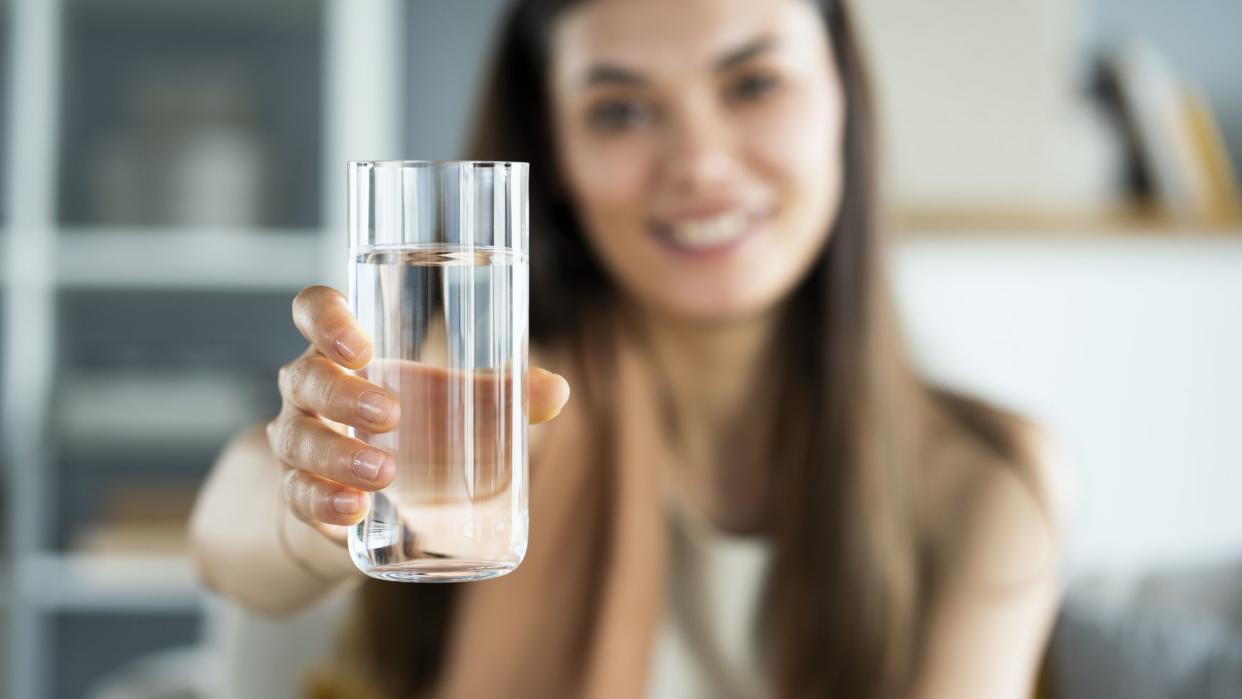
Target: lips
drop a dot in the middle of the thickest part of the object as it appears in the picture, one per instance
(709, 232)
(718, 232)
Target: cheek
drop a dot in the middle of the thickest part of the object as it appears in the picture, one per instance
(606, 178)
(798, 146)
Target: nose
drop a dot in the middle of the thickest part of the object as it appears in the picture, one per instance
(698, 156)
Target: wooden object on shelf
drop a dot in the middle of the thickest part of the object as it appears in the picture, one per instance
(1178, 142)
(1225, 194)
(143, 519)
(1135, 220)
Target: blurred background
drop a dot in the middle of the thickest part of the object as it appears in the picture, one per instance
(1062, 184)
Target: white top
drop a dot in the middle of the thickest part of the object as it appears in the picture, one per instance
(706, 645)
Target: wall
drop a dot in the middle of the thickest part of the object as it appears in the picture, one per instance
(1126, 351)
(447, 45)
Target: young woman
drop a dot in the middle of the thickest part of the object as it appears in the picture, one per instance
(707, 274)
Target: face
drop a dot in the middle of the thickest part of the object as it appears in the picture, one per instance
(701, 142)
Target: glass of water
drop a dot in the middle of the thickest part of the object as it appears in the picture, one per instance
(438, 280)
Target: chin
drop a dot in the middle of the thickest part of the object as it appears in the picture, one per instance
(724, 306)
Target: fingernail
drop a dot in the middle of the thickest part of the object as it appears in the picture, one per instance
(349, 344)
(367, 463)
(345, 503)
(374, 407)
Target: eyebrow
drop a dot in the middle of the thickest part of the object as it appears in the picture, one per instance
(605, 74)
(745, 52)
(614, 75)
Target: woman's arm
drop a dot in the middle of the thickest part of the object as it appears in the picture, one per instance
(235, 535)
(994, 607)
(269, 526)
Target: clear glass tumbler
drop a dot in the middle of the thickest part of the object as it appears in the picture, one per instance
(438, 279)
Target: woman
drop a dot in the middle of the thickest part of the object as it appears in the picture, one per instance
(707, 274)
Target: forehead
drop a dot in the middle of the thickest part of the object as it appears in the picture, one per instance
(668, 36)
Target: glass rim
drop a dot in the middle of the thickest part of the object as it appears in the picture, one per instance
(439, 163)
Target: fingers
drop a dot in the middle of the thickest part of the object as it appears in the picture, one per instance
(305, 442)
(313, 499)
(317, 385)
(548, 394)
(323, 317)
(330, 471)
(421, 385)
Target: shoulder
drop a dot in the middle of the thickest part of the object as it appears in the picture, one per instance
(993, 581)
(994, 497)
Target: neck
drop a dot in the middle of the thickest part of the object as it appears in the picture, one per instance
(714, 372)
(719, 386)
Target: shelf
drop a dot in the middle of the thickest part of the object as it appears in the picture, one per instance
(281, 13)
(131, 406)
(170, 181)
(289, 259)
(1089, 246)
(136, 258)
(191, 113)
(62, 582)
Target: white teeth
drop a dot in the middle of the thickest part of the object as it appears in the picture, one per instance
(709, 232)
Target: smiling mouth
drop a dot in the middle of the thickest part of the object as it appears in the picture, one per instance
(702, 235)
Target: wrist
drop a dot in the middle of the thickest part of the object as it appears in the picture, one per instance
(314, 553)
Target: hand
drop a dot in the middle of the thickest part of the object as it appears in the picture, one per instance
(328, 472)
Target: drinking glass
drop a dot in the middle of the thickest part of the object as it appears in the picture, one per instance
(438, 280)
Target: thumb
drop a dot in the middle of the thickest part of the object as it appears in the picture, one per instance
(548, 394)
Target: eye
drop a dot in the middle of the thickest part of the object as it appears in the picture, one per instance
(617, 114)
(752, 87)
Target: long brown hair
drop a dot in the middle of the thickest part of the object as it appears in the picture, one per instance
(844, 613)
